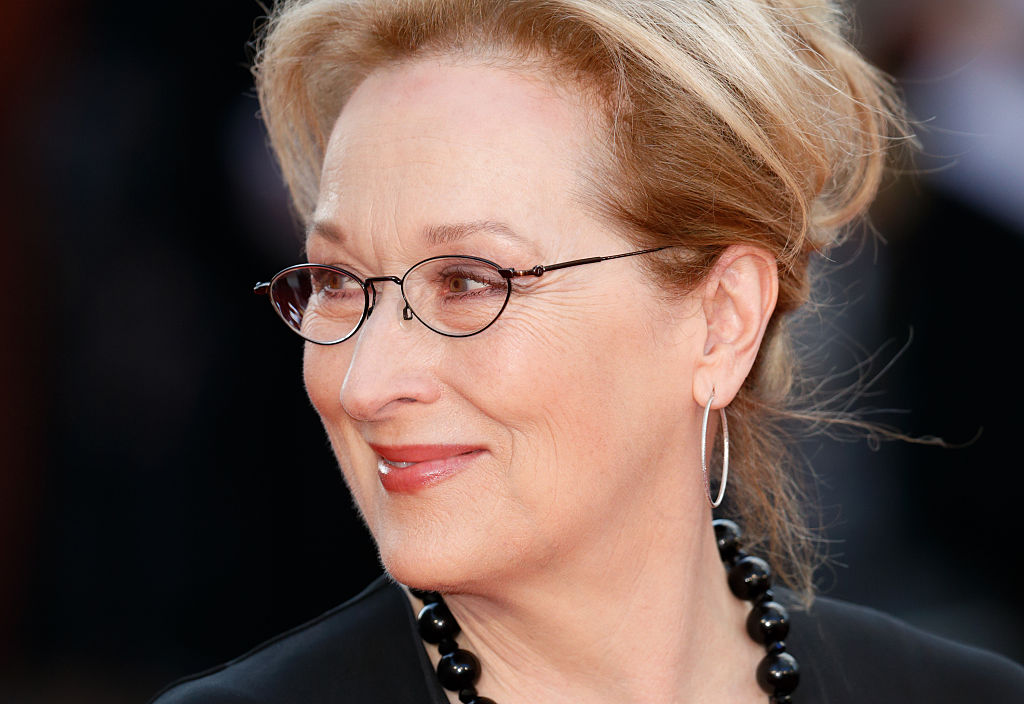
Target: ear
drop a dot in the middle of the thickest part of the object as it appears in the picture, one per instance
(739, 297)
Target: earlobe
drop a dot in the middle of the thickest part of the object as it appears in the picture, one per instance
(739, 298)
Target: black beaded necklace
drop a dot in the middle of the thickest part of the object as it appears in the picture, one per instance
(749, 579)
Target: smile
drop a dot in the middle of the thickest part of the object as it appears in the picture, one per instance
(407, 469)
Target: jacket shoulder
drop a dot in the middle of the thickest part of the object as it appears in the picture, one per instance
(853, 653)
(362, 650)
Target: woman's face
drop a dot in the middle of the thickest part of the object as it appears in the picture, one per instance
(542, 439)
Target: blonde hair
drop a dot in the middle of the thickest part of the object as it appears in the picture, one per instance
(728, 121)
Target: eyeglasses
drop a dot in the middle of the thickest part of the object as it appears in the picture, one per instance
(455, 296)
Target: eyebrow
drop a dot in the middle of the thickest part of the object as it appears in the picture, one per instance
(435, 235)
(455, 232)
(326, 230)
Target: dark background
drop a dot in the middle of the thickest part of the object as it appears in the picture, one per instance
(167, 497)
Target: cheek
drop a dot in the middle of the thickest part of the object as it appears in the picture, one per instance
(323, 373)
(574, 391)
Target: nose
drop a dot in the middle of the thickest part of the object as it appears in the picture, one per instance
(392, 365)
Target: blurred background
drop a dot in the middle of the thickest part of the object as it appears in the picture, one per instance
(167, 497)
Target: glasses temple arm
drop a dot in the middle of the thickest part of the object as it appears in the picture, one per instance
(541, 268)
(262, 288)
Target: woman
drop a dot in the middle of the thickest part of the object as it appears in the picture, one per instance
(554, 245)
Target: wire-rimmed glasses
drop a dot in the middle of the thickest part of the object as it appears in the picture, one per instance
(453, 295)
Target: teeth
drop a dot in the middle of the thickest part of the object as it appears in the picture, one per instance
(400, 465)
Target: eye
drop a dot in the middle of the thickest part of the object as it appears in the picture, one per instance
(454, 282)
(461, 283)
(471, 280)
(326, 282)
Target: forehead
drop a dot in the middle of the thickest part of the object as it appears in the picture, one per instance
(429, 142)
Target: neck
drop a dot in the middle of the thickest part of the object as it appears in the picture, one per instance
(627, 622)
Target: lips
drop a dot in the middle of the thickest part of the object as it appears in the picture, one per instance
(406, 469)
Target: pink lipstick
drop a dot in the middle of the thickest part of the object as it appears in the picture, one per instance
(406, 469)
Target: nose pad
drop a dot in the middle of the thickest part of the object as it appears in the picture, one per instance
(372, 303)
(407, 313)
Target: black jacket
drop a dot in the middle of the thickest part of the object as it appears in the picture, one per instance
(368, 651)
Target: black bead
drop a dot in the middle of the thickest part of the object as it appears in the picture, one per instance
(469, 696)
(781, 699)
(750, 577)
(427, 597)
(727, 536)
(778, 674)
(739, 555)
(458, 670)
(447, 645)
(768, 622)
(437, 623)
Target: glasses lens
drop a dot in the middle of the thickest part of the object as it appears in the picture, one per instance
(456, 296)
(322, 304)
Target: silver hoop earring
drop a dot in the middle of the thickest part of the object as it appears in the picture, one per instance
(715, 503)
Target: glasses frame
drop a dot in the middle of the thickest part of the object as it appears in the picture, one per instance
(408, 313)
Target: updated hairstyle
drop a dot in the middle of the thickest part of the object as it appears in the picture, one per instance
(724, 122)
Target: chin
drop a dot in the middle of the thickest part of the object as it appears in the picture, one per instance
(432, 570)
(451, 562)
